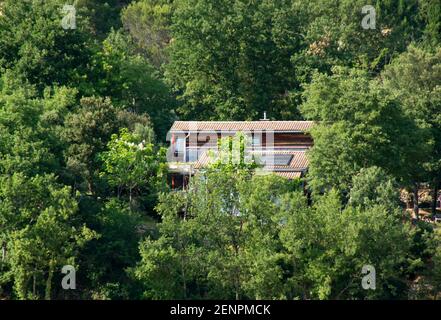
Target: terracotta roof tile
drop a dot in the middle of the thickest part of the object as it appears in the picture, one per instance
(299, 161)
(241, 125)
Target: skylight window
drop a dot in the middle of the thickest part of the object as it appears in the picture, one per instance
(276, 159)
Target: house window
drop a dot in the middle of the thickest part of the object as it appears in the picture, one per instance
(180, 149)
(256, 141)
(192, 155)
(276, 159)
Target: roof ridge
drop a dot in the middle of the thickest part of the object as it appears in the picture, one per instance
(276, 125)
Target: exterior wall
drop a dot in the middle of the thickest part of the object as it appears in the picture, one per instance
(290, 140)
(197, 143)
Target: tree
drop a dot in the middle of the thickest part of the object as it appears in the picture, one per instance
(132, 83)
(106, 258)
(333, 34)
(359, 125)
(29, 127)
(235, 59)
(414, 79)
(35, 47)
(327, 246)
(434, 277)
(234, 236)
(217, 240)
(133, 165)
(43, 232)
(372, 186)
(149, 23)
(231, 60)
(86, 132)
(104, 15)
(83, 114)
(233, 153)
(430, 12)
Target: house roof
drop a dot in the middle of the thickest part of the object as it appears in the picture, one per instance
(290, 175)
(282, 126)
(298, 162)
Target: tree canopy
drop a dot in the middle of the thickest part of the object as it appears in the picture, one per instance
(84, 115)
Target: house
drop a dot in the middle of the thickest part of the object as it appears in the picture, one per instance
(280, 146)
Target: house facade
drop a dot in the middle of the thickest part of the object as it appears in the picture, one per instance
(280, 146)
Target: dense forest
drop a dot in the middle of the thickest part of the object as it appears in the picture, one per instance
(85, 109)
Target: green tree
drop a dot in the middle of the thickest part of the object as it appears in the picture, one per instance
(333, 34)
(231, 59)
(132, 83)
(235, 59)
(360, 125)
(29, 127)
(106, 258)
(87, 129)
(149, 23)
(103, 15)
(218, 239)
(435, 275)
(372, 186)
(134, 166)
(414, 78)
(43, 232)
(430, 12)
(37, 49)
(327, 246)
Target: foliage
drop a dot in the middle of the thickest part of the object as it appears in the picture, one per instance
(133, 165)
(414, 78)
(360, 125)
(43, 232)
(236, 59)
(84, 112)
(106, 258)
(149, 23)
(230, 60)
(328, 246)
(235, 236)
(132, 82)
(35, 47)
(371, 186)
(216, 239)
(233, 153)
(86, 131)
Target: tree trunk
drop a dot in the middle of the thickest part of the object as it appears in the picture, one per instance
(184, 282)
(34, 284)
(416, 208)
(3, 251)
(49, 281)
(89, 187)
(434, 197)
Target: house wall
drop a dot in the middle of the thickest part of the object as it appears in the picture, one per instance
(197, 143)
